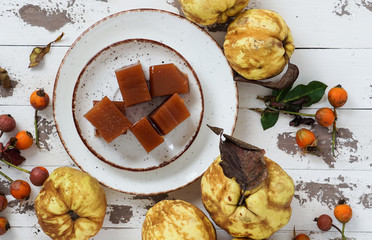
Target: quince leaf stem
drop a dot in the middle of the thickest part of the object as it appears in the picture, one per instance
(242, 197)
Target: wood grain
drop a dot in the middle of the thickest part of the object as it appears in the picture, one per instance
(333, 45)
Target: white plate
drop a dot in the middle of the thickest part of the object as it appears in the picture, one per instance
(98, 80)
(211, 67)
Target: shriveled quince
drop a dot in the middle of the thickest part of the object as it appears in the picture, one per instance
(71, 205)
(258, 44)
(176, 220)
(246, 193)
(207, 12)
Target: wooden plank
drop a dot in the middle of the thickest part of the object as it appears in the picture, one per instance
(278, 141)
(39, 22)
(353, 143)
(135, 234)
(314, 196)
(333, 66)
(311, 21)
(348, 67)
(343, 26)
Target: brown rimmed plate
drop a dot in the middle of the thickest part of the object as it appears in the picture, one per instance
(97, 80)
(210, 66)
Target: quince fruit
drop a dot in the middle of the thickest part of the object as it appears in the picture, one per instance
(207, 12)
(177, 220)
(258, 44)
(71, 205)
(264, 209)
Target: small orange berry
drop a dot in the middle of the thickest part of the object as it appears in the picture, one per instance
(305, 138)
(4, 225)
(337, 96)
(343, 213)
(39, 99)
(325, 117)
(20, 189)
(24, 140)
(302, 236)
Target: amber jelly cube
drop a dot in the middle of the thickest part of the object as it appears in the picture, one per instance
(169, 114)
(118, 104)
(166, 79)
(146, 134)
(132, 84)
(109, 121)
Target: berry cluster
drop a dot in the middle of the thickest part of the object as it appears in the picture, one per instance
(342, 213)
(326, 117)
(10, 154)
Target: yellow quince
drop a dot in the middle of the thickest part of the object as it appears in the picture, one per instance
(207, 12)
(264, 209)
(258, 44)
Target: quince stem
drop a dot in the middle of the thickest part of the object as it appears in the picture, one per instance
(242, 198)
(6, 176)
(12, 165)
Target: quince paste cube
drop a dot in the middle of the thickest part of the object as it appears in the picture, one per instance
(132, 84)
(146, 134)
(166, 79)
(118, 104)
(109, 121)
(169, 114)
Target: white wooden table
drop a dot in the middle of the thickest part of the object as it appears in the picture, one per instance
(333, 44)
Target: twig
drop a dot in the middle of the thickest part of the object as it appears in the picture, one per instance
(6, 176)
(334, 132)
(289, 112)
(342, 232)
(36, 131)
(12, 165)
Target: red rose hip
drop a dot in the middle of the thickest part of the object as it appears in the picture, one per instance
(38, 176)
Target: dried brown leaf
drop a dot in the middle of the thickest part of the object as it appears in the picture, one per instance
(10, 154)
(4, 78)
(242, 161)
(38, 53)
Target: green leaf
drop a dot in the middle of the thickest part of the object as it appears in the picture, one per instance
(281, 94)
(275, 92)
(314, 90)
(269, 119)
(315, 96)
